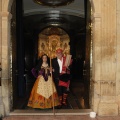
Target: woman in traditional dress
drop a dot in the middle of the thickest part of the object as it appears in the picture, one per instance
(43, 92)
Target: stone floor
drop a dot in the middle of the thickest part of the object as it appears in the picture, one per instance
(68, 117)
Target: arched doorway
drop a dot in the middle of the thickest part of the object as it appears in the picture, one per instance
(71, 38)
(35, 25)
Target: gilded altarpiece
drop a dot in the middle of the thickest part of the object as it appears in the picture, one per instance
(49, 44)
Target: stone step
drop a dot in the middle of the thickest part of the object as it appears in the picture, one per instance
(50, 112)
(58, 117)
(82, 117)
(57, 114)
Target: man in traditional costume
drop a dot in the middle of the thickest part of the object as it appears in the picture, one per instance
(61, 75)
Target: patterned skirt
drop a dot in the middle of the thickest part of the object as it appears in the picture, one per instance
(43, 94)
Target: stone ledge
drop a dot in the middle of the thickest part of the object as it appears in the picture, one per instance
(50, 112)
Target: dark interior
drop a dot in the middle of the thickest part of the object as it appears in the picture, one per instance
(24, 43)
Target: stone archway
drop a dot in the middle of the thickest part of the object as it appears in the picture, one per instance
(106, 61)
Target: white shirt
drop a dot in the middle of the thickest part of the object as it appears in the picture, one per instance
(60, 62)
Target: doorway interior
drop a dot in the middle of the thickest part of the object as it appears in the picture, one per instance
(28, 27)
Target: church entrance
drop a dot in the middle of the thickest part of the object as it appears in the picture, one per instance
(22, 25)
(74, 37)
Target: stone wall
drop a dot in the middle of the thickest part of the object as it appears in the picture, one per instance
(105, 57)
(118, 55)
(5, 18)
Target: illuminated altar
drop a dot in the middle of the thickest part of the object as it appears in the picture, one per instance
(47, 44)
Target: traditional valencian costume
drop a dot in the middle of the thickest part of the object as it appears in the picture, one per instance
(43, 90)
(61, 77)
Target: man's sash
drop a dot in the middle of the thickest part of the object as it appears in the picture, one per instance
(65, 74)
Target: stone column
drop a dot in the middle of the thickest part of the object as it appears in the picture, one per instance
(118, 55)
(104, 57)
(1, 101)
(96, 40)
(5, 60)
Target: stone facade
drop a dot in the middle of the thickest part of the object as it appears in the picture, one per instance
(5, 18)
(106, 57)
(106, 69)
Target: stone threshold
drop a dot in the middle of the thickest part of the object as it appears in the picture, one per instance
(50, 112)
